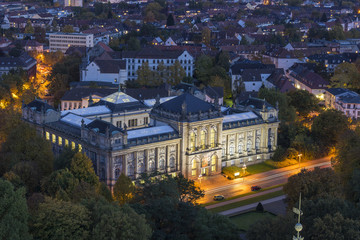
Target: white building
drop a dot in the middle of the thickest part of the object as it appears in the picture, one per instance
(113, 71)
(154, 56)
(62, 41)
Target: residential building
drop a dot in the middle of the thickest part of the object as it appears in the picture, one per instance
(155, 56)
(332, 95)
(182, 134)
(62, 41)
(24, 62)
(113, 71)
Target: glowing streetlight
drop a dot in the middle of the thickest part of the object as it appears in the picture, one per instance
(299, 159)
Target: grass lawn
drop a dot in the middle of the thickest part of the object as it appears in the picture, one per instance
(246, 220)
(259, 168)
(247, 201)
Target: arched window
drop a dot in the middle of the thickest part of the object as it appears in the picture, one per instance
(249, 145)
(151, 165)
(162, 163)
(192, 141)
(231, 149)
(213, 163)
(212, 137)
(257, 143)
(172, 162)
(130, 170)
(117, 173)
(203, 139)
(241, 147)
(141, 167)
(193, 167)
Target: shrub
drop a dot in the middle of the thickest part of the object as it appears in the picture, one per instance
(260, 207)
(230, 172)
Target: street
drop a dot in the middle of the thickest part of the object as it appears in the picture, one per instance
(214, 185)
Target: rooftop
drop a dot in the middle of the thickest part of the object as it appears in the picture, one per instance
(118, 98)
(240, 117)
(90, 111)
(149, 131)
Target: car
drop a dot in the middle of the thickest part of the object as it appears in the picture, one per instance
(255, 188)
(219, 197)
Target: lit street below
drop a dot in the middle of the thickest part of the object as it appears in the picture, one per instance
(219, 185)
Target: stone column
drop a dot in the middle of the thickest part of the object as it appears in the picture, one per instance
(136, 170)
(167, 167)
(125, 164)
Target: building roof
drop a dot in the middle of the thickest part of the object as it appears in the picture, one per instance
(119, 98)
(74, 120)
(77, 94)
(240, 117)
(338, 91)
(151, 102)
(23, 61)
(255, 103)
(90, 111)
(102, 127)
(192, 104)
(152, 53)
(110, 66)
(150, 131)
(39, 105)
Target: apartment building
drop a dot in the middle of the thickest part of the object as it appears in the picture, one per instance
(62, 41)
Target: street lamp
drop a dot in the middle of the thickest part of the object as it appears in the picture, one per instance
(200, 177)
(299, 159)
(244, 169)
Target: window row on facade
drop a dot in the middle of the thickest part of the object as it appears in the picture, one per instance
(62, 141)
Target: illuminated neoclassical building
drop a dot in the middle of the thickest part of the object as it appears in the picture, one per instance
(182, 134)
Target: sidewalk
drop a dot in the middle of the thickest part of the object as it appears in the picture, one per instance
(252, 206)
(243, 198)
(211, 182)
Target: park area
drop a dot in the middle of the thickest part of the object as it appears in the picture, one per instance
(246, 220)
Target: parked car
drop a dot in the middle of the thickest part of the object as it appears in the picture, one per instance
(255, 188)
(219, 197)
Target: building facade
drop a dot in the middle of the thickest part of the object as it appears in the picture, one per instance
(62, 41)
(183, 134)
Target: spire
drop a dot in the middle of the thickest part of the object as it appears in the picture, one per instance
(90, 101)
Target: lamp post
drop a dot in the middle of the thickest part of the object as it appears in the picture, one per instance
(200, 177)
(299, 160)
(244, 169)
(298, 226)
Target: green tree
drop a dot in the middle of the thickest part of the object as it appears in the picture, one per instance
(303, 101)
(60, 220)
(29, 28)
(206, 36)
(170, 20)
(203, 66)
(176, 73)
(68, 29)
(328, 126)
(188, 190)
(124, 189)
(133, 44)
(223, 60)
(82, 168)
(319, 183)
(64, 159)
(346, 75)
(286, 112)
(13, 212)
(111, 222)
(147, 77)
(23, 144)
(60, 184)
(323, 18)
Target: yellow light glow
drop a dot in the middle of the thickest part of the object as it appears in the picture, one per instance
(14, 95)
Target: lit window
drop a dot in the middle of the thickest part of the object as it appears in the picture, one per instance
(47, 136)
(66, 142)
(80, 147)
(212, 137)
(213, 168)
(60, 141)
(72, 145)
(53, 138)
(192, 141)
(203, 139)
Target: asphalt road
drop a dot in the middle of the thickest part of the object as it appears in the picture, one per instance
(236, 187)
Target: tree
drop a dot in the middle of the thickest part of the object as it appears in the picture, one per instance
(134, 44)
(328, 126)
(147, 77)
(286, 112)
(303, 101)
(323, 18)
(188, 190)
(110, 222)
(315, 184)
(68, 29)
(13, 212)
(203, 66)
(29, 28)
(24, 145)
(64, 159)
(82, 168)
(206, 36)
(223, 60)
(124, 189)
(346, 75)
(170, 20)
(176, 74)
(260, 207)
(60, 184)
(336, 227)
(60, 220)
